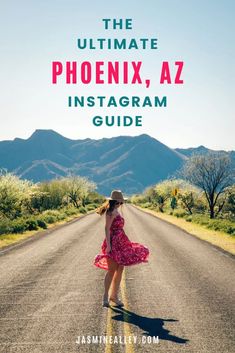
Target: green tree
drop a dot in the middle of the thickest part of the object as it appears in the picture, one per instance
(52, 195)
(229, 202)
(187, 201)
(77, 189)
(151, 195)
(173, 202)
(164, 192)
(14, 195)
(212, 173)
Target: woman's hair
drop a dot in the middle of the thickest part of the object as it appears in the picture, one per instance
(107, 206)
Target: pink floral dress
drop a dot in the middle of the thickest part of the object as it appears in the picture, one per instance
(123, 251)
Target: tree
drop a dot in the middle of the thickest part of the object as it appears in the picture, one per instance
(151, 195)
(187, 201)
(164, 192)
(173, 202)
(15, 195)
(210, 172)
(229, 206)
(77, 189)
(52, 195)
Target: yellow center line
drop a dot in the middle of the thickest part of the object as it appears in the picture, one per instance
(126, 326)
(109, 329)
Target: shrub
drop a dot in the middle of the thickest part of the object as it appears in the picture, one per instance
(180, 213)
(31, 224)
(41, 223)
(71, 211)
(18, 226)
(222, 225)
(51, 216)
(91, 207)
(4, 226)
(231, 230)
(82, 209)
(49, 219)
(61, 216)
(201, 219)
(146, 205)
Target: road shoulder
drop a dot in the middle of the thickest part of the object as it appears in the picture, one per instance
(220, 240)
(20, 239)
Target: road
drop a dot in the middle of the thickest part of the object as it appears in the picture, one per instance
(50, 293)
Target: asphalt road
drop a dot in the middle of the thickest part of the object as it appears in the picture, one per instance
(50, 293)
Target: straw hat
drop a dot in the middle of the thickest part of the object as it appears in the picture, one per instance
(117, 196)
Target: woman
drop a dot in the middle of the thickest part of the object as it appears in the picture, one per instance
(117, 250)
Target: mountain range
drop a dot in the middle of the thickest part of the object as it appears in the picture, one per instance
(129, 163)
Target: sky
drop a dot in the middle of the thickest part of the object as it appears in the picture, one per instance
(199, 33)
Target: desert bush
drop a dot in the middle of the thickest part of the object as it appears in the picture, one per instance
(70, 211)
(82, 209)
(146, 205)
(4, 226)
(222, 225)
(31, 224)
(188, 218)
(191, 205)
(91, 206)
(180, 213)
(17, 226)
(41, 224)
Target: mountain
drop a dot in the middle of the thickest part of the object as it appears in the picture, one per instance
(203, 150)
(129, 163)
(124, 162)
(189, 151)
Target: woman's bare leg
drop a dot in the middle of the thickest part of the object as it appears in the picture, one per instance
(116, 281)
(112, 267)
